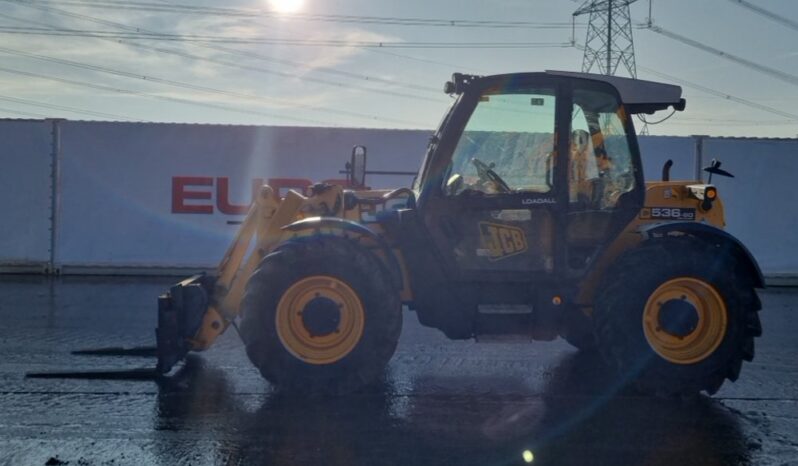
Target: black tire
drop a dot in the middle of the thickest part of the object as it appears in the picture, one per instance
(619, 307)
(341, 259)
(577, 330)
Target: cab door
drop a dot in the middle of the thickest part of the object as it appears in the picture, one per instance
(496, 213)
(606, 187)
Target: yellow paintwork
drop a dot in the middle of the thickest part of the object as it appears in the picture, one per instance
(263, 227)
(269, 213)
(710, 328)
(319, 349)
(667, 194)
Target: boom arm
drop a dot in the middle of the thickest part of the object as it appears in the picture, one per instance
(213, 304)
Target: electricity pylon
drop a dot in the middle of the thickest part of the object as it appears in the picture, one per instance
(609, 40)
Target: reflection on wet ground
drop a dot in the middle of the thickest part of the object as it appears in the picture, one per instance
(577, 419)
(440, 402)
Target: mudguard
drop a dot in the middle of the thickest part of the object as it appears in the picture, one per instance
(709, 233)
(344, 225)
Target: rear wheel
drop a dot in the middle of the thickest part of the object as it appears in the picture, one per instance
(677, 317)
(320, 315)
(577, 330)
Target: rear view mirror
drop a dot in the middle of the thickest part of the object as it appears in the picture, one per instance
(357, 167)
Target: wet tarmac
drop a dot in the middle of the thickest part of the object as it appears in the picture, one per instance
(442, 402)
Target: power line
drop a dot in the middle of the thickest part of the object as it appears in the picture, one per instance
(702, 88)
(247, 54)
(720, 94)
(715, 92)
(421, 60)
(259, 69)
(197, 87)
(782, 75)
(767, 14)
(22, 112)
(253, 55)
(274, 41)
(189, 86)
(237, 64)
(65, 108)
(260, 13)
(281, 61)
(155, 96)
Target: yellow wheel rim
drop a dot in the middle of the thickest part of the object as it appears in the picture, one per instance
(685, 320)
(320, 319)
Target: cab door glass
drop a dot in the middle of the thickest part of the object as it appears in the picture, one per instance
(600, 167)
(507, 145)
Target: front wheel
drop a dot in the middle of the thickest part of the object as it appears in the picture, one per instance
(320, 315)
(677, 317)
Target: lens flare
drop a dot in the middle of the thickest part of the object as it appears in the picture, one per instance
(528, 456)
(286, 6)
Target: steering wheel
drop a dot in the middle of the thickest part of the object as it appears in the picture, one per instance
(486, 173)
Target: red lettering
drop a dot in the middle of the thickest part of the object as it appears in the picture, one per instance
(182, 191)
(223, 199)
(180, 194)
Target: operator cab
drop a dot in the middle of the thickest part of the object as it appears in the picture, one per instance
(534, 172)
(527, 179)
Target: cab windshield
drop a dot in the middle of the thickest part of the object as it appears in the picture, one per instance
(507, 144)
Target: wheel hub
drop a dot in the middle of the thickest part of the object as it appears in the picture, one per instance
(685, 320)
(678, 317)
(321, 316)
(320, 319)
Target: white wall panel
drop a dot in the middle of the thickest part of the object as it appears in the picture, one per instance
(119, 186)
(118, 204)
(656, 150)
(25, 189)
(762, 200)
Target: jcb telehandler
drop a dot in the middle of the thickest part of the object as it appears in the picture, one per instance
(529, 217)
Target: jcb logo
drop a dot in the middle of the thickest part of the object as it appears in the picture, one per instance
(502, 241)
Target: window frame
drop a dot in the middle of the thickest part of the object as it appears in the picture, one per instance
(506, 171)
(455, 126)
(637, 193)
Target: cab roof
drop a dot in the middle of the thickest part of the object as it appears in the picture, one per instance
(639, 96)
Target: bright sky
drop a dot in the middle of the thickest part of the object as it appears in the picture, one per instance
(46, 70)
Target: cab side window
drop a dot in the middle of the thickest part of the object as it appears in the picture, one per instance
(600, 158)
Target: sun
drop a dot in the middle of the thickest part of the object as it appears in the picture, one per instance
(286, 6)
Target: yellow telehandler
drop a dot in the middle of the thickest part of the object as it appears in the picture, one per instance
(529, 218)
